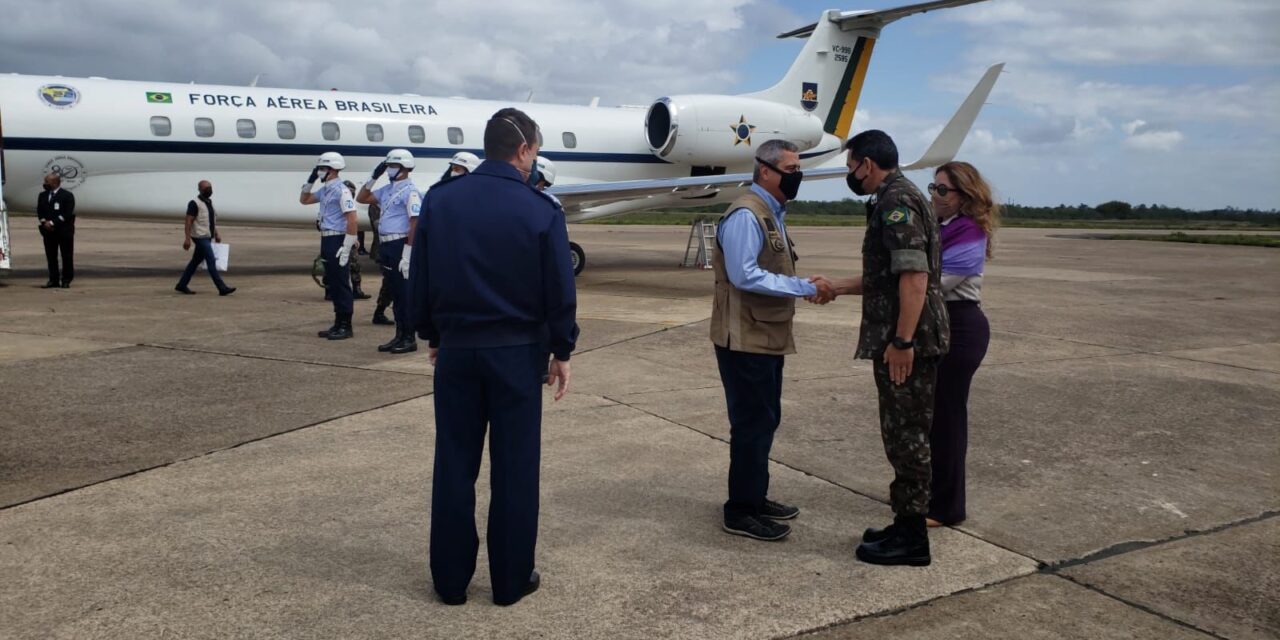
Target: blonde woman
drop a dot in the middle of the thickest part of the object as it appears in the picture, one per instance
(968, 217)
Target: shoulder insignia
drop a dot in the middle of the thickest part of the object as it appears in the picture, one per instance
(897, 215)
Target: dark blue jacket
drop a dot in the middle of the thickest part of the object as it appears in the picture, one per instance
(491, 267)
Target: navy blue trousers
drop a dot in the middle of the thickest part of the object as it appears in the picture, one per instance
(949, 437)
(753, 392)
(337, 279)
(202, 251)
(500, 387)
(389, 254)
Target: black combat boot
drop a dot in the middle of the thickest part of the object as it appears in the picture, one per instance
(384, 348)
(359, 294)
(905, 542)
(328, 332)
(406, 344)
(380, 316)
(343, 331)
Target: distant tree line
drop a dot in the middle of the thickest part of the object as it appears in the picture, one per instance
(1112, 210)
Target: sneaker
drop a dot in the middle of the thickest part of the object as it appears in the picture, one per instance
(756, 528)
(778, 511)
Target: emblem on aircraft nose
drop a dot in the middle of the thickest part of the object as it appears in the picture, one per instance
(742, 131)
(59, 96)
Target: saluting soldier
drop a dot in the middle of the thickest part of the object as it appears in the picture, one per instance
(338, 228)
(400, 201)
(905, 333)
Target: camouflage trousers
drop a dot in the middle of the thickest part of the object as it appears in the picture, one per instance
(906, 415)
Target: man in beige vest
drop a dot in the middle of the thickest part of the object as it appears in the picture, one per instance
(201, 229)
(756, 291)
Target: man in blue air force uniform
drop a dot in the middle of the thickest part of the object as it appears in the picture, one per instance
(493, 295)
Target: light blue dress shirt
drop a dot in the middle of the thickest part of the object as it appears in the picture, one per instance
(740, 241)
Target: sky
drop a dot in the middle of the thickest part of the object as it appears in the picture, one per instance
(1175, 102)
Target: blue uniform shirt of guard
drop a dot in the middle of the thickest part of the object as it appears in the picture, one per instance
(741, 239)
(400, 201)
(491, 265)
(335, 201)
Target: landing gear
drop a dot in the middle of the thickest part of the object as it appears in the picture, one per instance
(578, 257)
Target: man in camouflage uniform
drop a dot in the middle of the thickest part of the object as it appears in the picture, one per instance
(384, 293)
(905, 332)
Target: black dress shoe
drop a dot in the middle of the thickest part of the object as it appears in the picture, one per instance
(341, 332)
(903, 546)
(357, 294)
(756, 528)
(184, 290)
(388, 346)
(66, 285)
(535, 581)
(406, 345)
(49, 285)
(228, 291)
(778, 511)
(381, 318)
(452, 601)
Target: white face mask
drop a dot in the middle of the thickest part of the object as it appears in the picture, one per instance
(392, 172)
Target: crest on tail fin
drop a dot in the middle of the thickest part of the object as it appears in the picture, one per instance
(809, 96)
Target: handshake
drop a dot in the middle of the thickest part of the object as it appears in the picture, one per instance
(827, 290)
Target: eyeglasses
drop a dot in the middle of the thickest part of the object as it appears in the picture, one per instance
(942, 190)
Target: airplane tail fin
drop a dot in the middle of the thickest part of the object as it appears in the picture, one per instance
(826, 78)
(947, 144)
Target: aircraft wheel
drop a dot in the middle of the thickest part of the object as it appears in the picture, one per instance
(578, 257)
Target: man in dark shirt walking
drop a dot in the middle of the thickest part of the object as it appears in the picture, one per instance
(493, 294)
(201, 230)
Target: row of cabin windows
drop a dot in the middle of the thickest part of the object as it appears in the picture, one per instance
(286, 130)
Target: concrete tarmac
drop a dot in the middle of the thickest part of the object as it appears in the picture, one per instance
(205, 467)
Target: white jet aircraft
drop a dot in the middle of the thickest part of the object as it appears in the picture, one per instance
(136, 149)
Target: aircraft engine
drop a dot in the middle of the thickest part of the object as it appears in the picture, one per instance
(709, 130)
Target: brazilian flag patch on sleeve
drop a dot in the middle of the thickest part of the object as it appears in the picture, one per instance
(897, 216)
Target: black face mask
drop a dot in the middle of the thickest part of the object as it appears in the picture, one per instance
(855, 184)
(790, 183)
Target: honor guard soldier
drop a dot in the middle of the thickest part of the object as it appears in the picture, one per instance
(400, 202)
(338, 226)
(905, 332)
(461, 164)
(493, 293)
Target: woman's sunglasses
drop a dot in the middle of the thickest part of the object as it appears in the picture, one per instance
(942, 190)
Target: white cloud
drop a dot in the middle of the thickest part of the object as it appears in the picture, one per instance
(1146, 137)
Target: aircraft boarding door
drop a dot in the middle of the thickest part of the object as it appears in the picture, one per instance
(5, 262)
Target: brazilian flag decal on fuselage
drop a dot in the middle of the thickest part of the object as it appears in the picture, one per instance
(157, 97)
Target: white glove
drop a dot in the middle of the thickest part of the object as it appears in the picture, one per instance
(404, 260)
(344, 254)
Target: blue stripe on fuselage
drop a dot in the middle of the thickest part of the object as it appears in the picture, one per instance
(287, 149)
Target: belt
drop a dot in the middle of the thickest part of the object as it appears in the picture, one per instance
(325, 233)
(392, 236)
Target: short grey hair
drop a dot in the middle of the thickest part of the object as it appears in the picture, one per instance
(771, 152)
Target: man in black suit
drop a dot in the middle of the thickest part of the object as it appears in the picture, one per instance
(56, 210)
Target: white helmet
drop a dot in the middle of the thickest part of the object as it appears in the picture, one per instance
(548, 170)
(333, 160)
(401, 157)
(466, 160)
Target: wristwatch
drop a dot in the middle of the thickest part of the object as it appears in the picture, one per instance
(899, 343)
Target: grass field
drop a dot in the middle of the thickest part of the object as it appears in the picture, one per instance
(1229, 239)
(685, 218)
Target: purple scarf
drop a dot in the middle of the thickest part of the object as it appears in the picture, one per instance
(964, 247)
